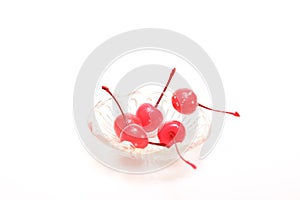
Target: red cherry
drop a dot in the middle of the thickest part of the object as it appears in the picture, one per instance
(171, 133)
(185, 101)
(135, 134)
(149, 115)
(120, 124)
(127, 126)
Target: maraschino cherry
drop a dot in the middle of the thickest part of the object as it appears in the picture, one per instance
(171, 133)
(149, 115)
(123, 120)
(184, 100)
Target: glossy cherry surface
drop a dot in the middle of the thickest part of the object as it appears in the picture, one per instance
(170, 132)
(149, 116)
(134, 134)
(184, 100)
(120, 123)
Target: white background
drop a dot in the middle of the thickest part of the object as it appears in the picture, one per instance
(255, 46)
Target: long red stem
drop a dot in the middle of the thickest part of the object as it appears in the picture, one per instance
(189, 163)
(166, 86)
(109, 92)
(178, 152)
(236, 114)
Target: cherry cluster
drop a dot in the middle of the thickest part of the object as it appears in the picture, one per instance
(133, 127)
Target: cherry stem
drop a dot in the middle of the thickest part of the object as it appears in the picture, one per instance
(164, 145)
(236, 114)
(158, 144)
(189, 163)
(109, 92)
(166, 86)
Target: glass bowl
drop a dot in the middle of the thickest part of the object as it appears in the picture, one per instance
(101, 122)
